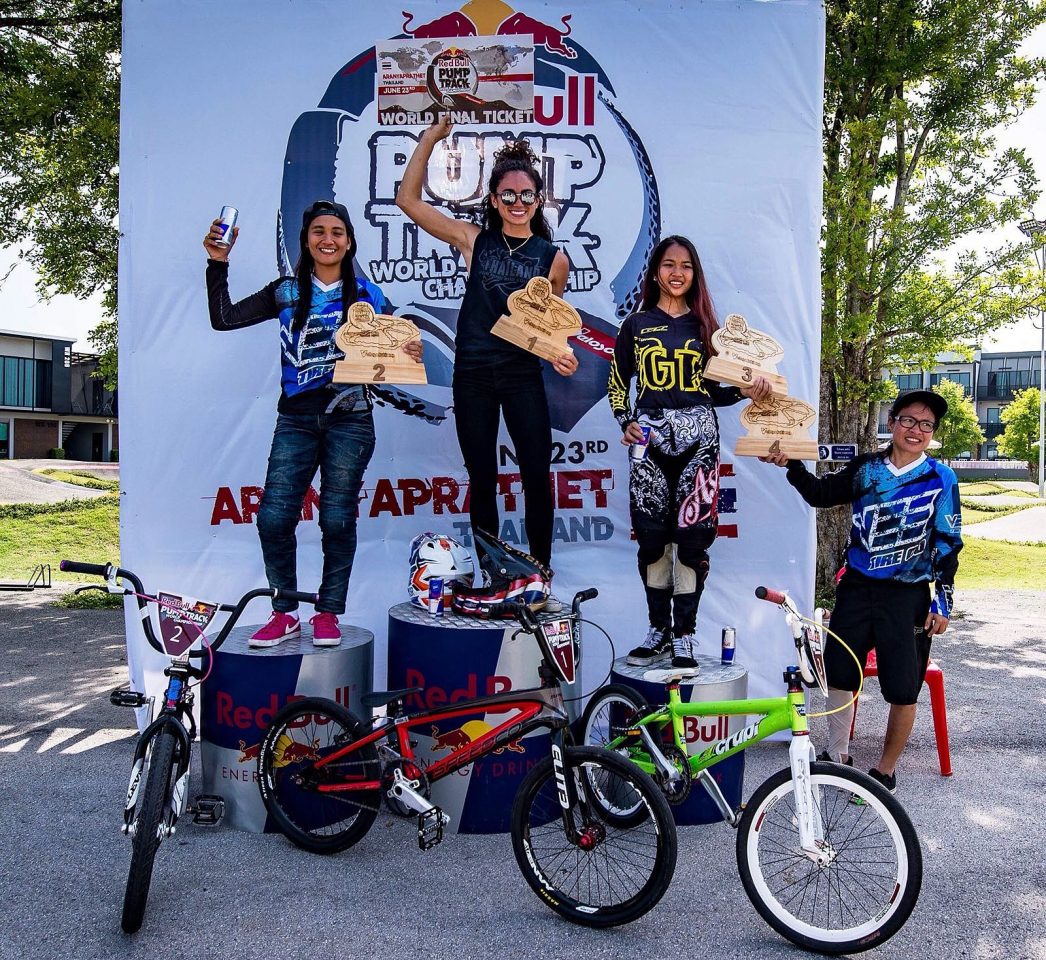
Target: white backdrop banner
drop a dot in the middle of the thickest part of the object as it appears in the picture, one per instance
(702, 119)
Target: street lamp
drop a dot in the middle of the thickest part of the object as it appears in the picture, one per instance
(1035, 230)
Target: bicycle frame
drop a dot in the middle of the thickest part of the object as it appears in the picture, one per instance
(776, 714)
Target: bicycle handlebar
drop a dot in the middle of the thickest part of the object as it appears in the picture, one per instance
(112, 573)
(771, 596)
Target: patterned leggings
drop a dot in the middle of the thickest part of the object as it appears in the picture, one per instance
(673, 500)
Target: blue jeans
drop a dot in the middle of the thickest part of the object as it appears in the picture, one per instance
(340, 444)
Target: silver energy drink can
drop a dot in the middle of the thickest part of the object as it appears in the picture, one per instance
(638, 451)
(436, 596)
(729, 642)
(226, 221)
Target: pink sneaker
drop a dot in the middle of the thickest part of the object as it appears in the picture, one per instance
(281, 626)
(325, 632)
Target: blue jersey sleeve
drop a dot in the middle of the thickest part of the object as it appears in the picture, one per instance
(947, 530)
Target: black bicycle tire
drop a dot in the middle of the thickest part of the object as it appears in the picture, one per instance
(146, 839)
(659, 874)
(271, 783)
(619, 692)
(856, 783)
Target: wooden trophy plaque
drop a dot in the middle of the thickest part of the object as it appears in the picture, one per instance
(373, 348)
(538, 321)
(743, 354)
(778, 425)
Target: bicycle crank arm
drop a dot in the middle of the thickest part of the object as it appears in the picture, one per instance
(730, 815)
(664, 767)
(406, 792)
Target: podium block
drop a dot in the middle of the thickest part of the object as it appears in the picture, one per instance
(246, 688)
(457, 658)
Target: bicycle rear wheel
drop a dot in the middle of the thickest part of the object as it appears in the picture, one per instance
(149, 826)
(302, 733)
(612, 872)
(868, 888)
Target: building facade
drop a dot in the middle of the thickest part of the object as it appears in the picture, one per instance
(50, 400)
(990, 380)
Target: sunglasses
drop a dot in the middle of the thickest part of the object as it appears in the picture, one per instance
(926, 426)
(509, 197)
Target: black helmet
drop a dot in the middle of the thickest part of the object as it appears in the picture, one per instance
(514, 575)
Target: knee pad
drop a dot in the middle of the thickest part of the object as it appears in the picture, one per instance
(691, 569)
(658, 572)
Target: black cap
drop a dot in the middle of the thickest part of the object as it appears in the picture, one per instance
(327, 208)
(928, 398)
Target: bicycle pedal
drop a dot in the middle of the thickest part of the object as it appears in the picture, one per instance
(208, 810)
(430, 827)
(122, 697)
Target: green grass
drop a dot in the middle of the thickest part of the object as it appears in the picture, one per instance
(981, 488)
(81, 478)
(32, 533)
(90, 600)
(986, 564)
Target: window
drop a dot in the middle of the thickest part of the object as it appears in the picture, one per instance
(963, 379)
(908, 381)
(993, 414)
(991, 452)
(25, 382)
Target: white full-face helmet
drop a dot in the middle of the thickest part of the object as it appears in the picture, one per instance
(436, 555)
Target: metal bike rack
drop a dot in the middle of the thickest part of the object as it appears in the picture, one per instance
(39, 579)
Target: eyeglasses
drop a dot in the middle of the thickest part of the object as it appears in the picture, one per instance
(509, 197)
(926, 426)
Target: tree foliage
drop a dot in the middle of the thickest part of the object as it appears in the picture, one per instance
(59, 144)
(1019, 441)
(915, 91)
(959, 431)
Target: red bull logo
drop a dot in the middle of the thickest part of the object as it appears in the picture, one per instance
(433, 697)
(468, 733)
(493, 18)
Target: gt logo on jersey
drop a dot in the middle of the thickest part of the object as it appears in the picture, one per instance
(895, 531)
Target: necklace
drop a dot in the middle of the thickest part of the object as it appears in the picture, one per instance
(519, 246)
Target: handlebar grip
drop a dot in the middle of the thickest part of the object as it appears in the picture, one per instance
(771, 596)
(298, 595)
(590, 594)
(75, 566)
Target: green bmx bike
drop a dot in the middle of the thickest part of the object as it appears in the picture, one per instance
(827, 856)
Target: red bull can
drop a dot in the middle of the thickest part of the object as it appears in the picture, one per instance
(638, 451)
(729, 642)
(226, 221)
(436, 596)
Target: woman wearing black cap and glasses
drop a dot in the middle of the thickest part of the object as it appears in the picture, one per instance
(905, 535)
(318, 424)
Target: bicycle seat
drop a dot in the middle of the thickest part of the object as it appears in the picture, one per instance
(382, 698)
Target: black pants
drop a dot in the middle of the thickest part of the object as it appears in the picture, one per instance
(888, 616)
(482, 396)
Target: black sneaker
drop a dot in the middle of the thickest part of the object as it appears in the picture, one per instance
(887, 780)
(655, 648)
(683, 653)
(825, 757)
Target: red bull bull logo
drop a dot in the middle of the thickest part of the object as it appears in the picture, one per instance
(468, 733)
(493, 18)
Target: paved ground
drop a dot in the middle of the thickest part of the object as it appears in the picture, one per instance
(18, 483)
(1025, 526)
(64, 755)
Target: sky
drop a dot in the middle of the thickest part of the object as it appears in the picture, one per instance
(22, 310)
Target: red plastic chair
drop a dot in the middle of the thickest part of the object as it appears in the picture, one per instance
(935, 681)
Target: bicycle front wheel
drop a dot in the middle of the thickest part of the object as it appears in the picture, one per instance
(321, 821)
(608, 872)
(868, 882)
(149, 825)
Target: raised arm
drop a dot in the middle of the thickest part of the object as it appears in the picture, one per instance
(458, 233)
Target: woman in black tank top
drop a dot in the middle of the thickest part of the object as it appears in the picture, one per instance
(492, 377)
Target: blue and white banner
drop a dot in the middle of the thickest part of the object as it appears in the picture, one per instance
(702, 119)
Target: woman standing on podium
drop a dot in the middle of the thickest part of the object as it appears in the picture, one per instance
(673, 433)
(492, 377)
(319, 424)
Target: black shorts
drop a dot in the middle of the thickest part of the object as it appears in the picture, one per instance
(888, 617)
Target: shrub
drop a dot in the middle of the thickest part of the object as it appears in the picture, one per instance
(57, 453)
(114, 455)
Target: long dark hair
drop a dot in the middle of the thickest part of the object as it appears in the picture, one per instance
(305, 265)
(697, 298)
(516, 155)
